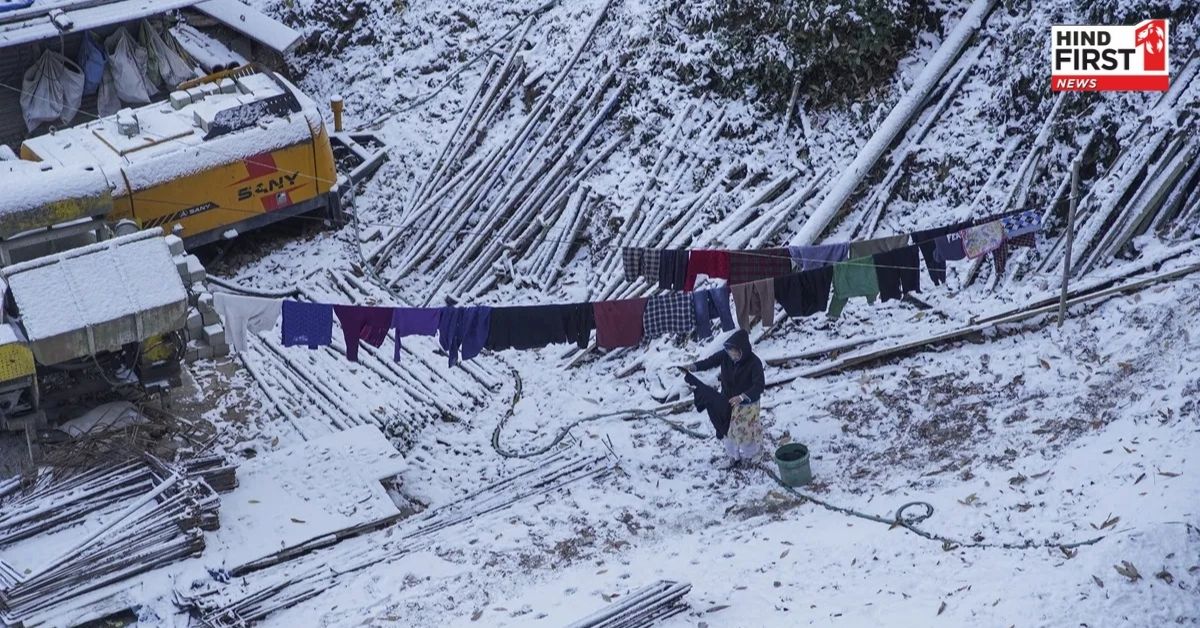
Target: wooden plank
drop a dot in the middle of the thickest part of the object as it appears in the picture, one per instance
(943, 337)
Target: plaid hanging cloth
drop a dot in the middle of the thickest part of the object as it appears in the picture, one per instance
(748, 266)
(673, 313)
(639, 262)
(1000, 255)
(631, 259)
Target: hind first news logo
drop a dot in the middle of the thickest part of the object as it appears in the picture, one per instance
(1109, 58)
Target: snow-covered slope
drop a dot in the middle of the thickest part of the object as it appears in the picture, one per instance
(1023, 433)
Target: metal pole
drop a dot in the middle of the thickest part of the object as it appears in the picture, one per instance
(1074, 199)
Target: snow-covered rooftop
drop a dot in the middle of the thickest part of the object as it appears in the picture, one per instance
(101, 289)
(35, 23)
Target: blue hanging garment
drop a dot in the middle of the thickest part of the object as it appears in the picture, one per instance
(91, 60)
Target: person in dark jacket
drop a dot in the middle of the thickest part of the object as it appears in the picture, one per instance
(742, 383)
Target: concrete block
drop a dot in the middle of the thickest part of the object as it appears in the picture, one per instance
(214, 334)
(195, 323)
(195, 292)
(220, 350)
(195, 270)
(228, 86)
(204, 299)
(205, 353)
(180, 99)
(210, 318)
(175, 244)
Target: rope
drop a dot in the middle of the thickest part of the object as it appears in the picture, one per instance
(902, 519)
(628, 415)
(910, 522)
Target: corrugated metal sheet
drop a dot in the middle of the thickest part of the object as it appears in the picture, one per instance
(252, 23)
(38, 28)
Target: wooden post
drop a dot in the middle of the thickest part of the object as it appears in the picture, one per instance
(1073, 200)
(337, 104)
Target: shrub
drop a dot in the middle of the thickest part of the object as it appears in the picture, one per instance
(839, 49)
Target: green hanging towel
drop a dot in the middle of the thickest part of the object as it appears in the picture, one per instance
(853, 278)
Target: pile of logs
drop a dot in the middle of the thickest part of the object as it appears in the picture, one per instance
(489, 201)
(641, 608)
(1151, 187)
(216, 471)
(316, 393)
(143, 515)
(252, 596)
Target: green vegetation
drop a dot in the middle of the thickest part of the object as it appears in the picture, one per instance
(838, 50)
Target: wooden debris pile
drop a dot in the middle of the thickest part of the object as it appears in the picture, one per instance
(125, 431)
(255, 594)
(1152, 187)
(133, 516)
(489, 201)
(216, 471)
(640, 608)
(315, 392)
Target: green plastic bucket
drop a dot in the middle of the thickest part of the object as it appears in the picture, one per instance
(792, 459)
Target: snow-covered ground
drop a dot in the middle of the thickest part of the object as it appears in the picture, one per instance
(1026, 433)
(1038, 435)
(1030, 433)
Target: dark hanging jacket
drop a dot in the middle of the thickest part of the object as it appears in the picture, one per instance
(744, 377)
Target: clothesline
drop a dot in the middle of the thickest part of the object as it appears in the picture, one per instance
(677, 269)
(412, 228)
(463, 332)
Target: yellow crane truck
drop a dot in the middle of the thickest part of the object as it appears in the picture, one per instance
(228, 153)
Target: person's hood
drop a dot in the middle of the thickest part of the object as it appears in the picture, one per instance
(740, 340)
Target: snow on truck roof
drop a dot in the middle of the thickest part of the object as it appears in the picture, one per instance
(171, 142)
(23, 26)
(94, 285)
(29, 185)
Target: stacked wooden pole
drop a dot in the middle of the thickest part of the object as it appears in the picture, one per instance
(490, 201)
(257, 593)
(154, 515)
(640, 608)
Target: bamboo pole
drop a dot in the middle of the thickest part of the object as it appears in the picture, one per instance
(105, 529)
(899, 119)
(1074, 199)
(877, 203)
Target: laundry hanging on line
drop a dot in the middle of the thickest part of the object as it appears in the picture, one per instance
(978, 237)
(245, 315)
(891, 271)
